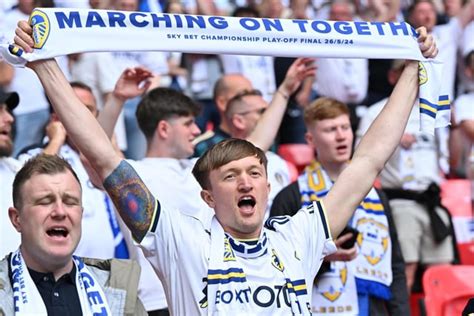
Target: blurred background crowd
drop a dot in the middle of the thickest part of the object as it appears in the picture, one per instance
(213, 80)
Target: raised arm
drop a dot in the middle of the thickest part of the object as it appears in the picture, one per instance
(466, 15)
(134, 202)
(377, 145)
(267, 127)
(132, 83)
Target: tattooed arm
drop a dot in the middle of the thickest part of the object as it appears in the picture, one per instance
(135, 204)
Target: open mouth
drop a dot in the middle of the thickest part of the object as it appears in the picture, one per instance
(57, 232)
(246, 201)
(341, 148)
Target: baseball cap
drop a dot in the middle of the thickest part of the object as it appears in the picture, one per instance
(11, 99)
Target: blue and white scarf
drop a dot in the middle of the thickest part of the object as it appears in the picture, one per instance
(372, 266)
(27, 300)
(59, 32)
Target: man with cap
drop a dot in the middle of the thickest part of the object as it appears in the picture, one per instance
(8, 168)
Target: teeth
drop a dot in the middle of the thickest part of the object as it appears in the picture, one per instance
(58, 231)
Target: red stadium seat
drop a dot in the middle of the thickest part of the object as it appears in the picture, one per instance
(298, 154)
(456, 196)
(292, 170)
(447, 289)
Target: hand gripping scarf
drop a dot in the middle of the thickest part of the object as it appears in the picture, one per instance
(65, 31)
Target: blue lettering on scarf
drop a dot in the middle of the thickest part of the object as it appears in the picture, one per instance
(74, 20)
(87, 279)
(135, 22)
(94, 19)
(116, 18)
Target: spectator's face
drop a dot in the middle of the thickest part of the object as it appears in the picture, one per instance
(26, 6)
(340, 12)
(249, 113)
(126, 5)
(176, 8)
(239, 194)
(181, 132)
(6, 123)
(331, 139)
(452, 7)
(95, 4)
(424, 14)
(88, 99)
(271, 9)
(49, 220)
(235, 84)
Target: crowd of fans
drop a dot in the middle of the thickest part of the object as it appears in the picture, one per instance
(191, 102)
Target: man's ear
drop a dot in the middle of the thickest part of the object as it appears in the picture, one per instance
(309, 138)
(208, 198)
(221, 103)
(14, 215)
(162, 129)
(469, 72)
(238, 122)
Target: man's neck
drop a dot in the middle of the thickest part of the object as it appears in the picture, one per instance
(162, 150)
(56, 268)
(224, 127)
(239, 134)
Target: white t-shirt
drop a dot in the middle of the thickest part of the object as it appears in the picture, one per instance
(98, 71)
(278, 176)
(156, 62)
(345, 80)
(9, 237)
(172, 182)
(179, 248)
(97, 239)
(258, 69)
(448, 37)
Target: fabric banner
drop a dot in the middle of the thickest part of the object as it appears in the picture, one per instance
(65, 31)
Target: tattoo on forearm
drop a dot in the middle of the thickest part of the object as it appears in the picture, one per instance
(134, 202)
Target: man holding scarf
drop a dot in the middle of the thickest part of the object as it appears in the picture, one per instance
(215, 267)
(368, 281)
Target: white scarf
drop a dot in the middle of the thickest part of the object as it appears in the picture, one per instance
(27, 300)
(372, 266)
(225, 273)
(58, 31)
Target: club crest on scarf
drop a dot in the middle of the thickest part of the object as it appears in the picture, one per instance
(41, 27)
(334, 289)
(374, 241)
(422, 74)
(228, 252)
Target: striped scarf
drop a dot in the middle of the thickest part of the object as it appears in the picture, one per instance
(58, 31)
(27, 300)
(372, 266)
